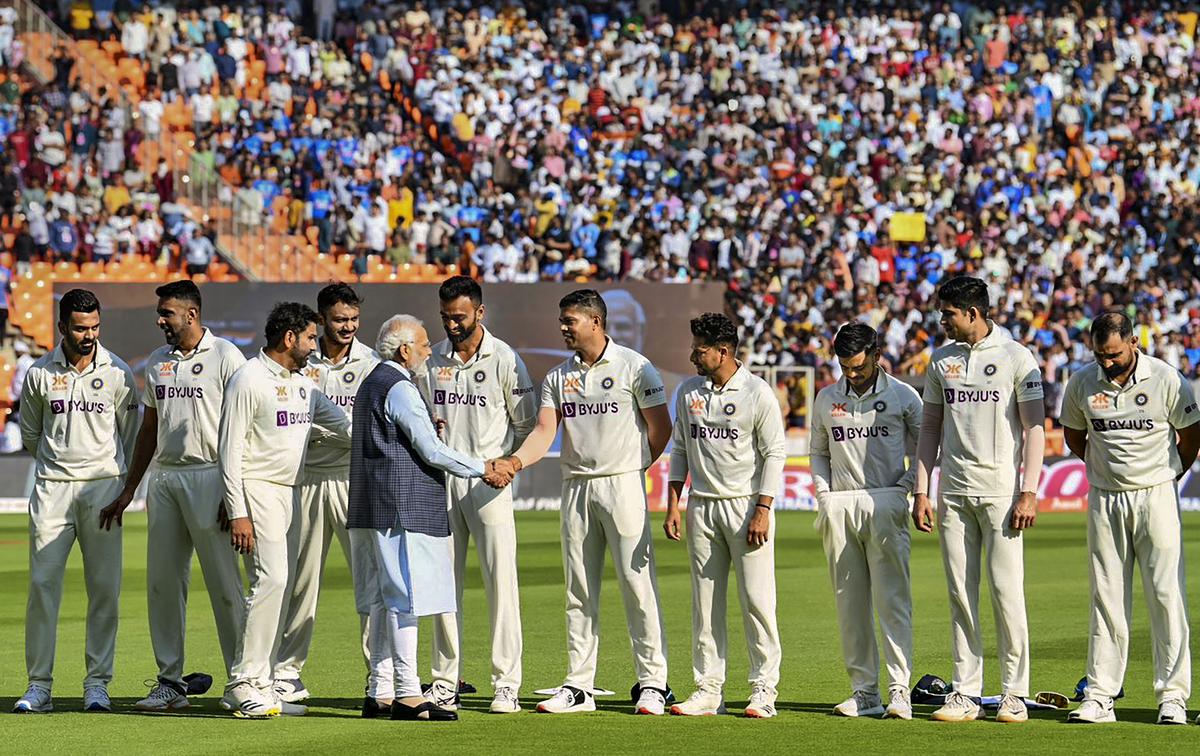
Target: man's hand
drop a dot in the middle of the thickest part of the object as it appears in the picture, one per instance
(222, 518)
(922, 513)
(113, 512)
(243, 535)
(760, 527)
(1025, 511)
(498, 473)
(439, 423)
(671, 523)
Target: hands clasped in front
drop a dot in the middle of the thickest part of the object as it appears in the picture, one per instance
(499, 472)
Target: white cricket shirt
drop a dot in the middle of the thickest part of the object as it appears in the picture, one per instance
(339, 381)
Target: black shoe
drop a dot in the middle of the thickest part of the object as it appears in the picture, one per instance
(372, 710)
(426, 712)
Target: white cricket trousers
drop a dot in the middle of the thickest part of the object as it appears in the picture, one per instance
(270, 508)
(716, 538)
(1141, 526)
(968, 526)
(482, 513)
(610, 512)
(320, 502)
(865, 535)
(60, 512)
(181, 508)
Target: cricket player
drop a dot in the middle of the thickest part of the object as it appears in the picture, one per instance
(79, 418)
(479, 386)
(269, 413)
(863, 428)
(611, 403)
(337, 368)
(729, 437)
(983, 409)
(185, 383)
(1121, 415)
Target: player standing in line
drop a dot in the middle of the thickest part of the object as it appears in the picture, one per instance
(79, 416)
(863, 427)
(729, 436)
(612, 406)
(983, 408)
(337, 367)
(269, 414)
(1120, 415)
(185, 383)
(480, 387)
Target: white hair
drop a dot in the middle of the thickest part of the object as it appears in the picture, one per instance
(395, 332)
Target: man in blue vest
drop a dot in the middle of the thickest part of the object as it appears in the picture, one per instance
(398, 517)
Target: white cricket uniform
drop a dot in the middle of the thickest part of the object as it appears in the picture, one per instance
(183, 497)
(1133, 516)
(489, 407)
(321, 501)
(266, 422)
(858, 446)
(80, 427)
(605, 452)
(731, 441)
(979, 388)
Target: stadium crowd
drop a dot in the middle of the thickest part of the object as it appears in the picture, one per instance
(1048, 147)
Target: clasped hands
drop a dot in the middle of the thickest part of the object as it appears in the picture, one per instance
(499, 472)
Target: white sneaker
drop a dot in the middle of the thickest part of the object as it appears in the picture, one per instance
(291, 691)
(863, 703)
(1173, 711)
(762, 702)
(652, 702)
(96, 700)
(702, 703)
(958, 708)
(35, 701)
(1012, 709)
(1093, 711)
(505, 702)
(899, 706)
(289, 709)
(568, 700)
(163, 697)
(251, 703)
(442, 695)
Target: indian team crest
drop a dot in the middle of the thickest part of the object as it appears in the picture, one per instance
(730, 408)
(480, 376)
(97, 383)
(880, 406)
(1140, 400)
(303, 393)
(348, 377)
(607, 383)
(198, 368)
(990, 370)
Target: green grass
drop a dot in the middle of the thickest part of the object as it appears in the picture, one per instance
(813, 677)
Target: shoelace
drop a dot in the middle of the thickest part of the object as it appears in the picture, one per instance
(760, 693)
(897, 697)
(506, 694)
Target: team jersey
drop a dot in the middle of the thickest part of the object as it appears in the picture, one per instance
(729, 439)
(338, 381)
(186, 391)
(267, 417)
(865, 438)
(979, 388)
(1130, 428)
(487, 402)
(604, 432)
(79, 425)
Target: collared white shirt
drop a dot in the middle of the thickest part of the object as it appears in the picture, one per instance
(339, 381)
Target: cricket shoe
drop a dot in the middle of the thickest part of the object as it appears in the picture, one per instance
(568, 700)
(1093, 711)
(164, 696)
(863, 703)
(442, 695)
(96, 700)
(899, 705)
(651, 701)
(505, 702)
(762, 702)
(248, 702)
(35, 701)
(702, 703)
(958, 708)
(1012, 709)
(1173, 711)
(291, 691)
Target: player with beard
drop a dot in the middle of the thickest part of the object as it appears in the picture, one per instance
(337, 367)
(1132, 419)
(79, 418)
(478, 385)
(184, 389)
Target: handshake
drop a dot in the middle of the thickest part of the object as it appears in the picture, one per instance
(499, 472)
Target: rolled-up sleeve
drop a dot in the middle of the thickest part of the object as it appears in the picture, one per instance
(406, 409)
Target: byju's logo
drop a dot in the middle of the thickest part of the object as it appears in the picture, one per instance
(568, 409)
(439, 396)
(160, 392)
(839, 434)
(951, 395)
(58, 406)
(281, 419)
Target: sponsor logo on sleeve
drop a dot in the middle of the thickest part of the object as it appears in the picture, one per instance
(1033, 384)
(522, 390)
(652, 391)
(1189, 409)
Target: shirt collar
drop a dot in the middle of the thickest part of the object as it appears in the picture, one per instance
(1141, 372)
(881, 383)
(578, 361)
(358, 351)
(405, 371)
(205, 343)
(101, 359)
(273, 367)
(996, 336)
(487, 347)
(735, 382)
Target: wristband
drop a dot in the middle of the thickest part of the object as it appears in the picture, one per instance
(760, 505)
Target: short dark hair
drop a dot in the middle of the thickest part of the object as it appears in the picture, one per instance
(461, 286)
(184, 291)
(588, 300)
(335, 294)
(965, 292)
(1105, 325)
(855, 338)
(288, 316)
(77, 300)
(715, 329)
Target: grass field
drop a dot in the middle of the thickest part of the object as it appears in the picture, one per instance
(813, 677)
